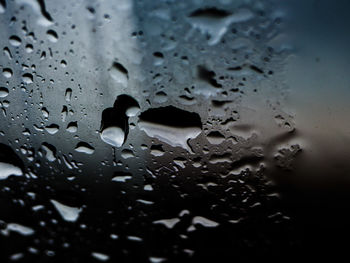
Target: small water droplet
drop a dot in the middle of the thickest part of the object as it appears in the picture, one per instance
(68, 94)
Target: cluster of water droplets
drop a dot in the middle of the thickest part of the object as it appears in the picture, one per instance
(135, 121)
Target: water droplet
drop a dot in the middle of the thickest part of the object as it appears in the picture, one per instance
(50, 151)
(52, 36)
(20, 229)
(171, 125)
(10, 163)
(29, 48)
(52, 129)
(68, 213)
(121, 177)
(68, 94)
(156, 259)
(84, 147)
(63, 63)
(7, 73)
(126, 154)
(2, 6)
(7, 169)
(119, 73)
(169, 223)
(114, 136)
(157, 150)
(45, 112)
(15, 41)
(215, 137)
(114, 123)
(27, 78)
(204, 221)
(4, 92)
(100, 256)
(7, 53)
(160, 97)
(72, 127)
(215, 22)
(158, 58)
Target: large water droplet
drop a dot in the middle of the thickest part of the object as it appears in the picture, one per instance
(119, 73)
(10, 163)
(7, 169)
(27, 78)
(114, 123)
(68, 213)
(171, 125)
(7, 73)
(100, 256)
(84, 147)
(15, 41)
(113, 135)
(50, 151)
(4, 92)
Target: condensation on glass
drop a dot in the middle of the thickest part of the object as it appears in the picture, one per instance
(169, 131)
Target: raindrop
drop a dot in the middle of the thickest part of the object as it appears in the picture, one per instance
(52, 36)
(171, 125)
(114, 124)
(158, 58)
(10, 163)
(83, 147)
(215, 137)
(29, 48)
(52, 129)
(204, 221)
(169, 223)
(7, 169)
(7, 53)
(126, 154)
(157, 150)
(27, 78)
(215, 22)
(119, 73)
(7, 73)
(121, 177)
(100, 256)
(160, 97)
(50, 151)
(72, 127)
(4, 92)
(15, 41)
(2, 6)
(114, 136)
(68, 213)
(68, 94)
(20, 229)
(45, 112)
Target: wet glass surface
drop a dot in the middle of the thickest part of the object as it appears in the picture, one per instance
(174, 131)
